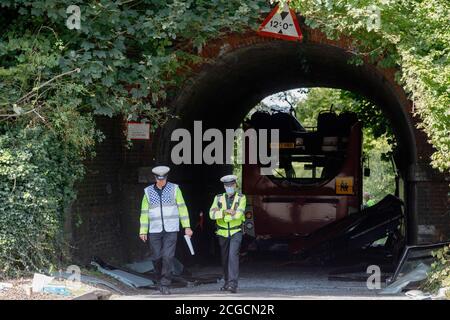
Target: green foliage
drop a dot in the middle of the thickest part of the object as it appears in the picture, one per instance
(382, 175)
(37, 173)
(378, 139)
(129, 53)
(409, 34)
(323, 99)
(126, 60)
(439, 276)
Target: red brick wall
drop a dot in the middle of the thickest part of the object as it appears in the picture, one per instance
(433, 195)
(95, 219)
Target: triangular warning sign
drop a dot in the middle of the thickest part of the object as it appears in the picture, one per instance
(281, 24)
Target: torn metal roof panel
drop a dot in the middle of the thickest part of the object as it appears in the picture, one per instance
(125, 277)
(141, 266)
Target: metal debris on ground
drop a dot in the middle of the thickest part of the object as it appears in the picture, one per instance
(413, 255)
(90, 280)
(125, 277)
(57, 289)
(143, 266)
(412, 269)
(181, 276)
(418, 295)
(418, 274)
(356, 231)
(147, 266)
(126, 274)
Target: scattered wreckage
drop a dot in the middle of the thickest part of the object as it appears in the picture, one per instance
(141, 275)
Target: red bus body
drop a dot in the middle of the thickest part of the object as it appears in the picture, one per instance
(280, 208)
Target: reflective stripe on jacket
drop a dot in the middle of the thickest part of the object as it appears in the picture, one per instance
(163, 212)
(228, 224)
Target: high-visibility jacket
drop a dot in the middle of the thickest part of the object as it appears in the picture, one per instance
(165, 212)
(228, 224)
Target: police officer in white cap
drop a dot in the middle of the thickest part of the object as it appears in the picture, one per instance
(162, 211)
(228, 212)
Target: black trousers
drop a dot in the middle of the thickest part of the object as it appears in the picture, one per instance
(163, 245)
(230, 248)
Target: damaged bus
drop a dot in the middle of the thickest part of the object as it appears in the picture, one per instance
(313, 200)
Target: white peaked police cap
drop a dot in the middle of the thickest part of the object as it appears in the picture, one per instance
(228, 179)
(161, 171)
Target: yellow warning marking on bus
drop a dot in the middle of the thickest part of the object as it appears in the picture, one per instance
(344, 185)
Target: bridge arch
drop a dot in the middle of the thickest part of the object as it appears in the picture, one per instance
(238, 71)
(242, 69)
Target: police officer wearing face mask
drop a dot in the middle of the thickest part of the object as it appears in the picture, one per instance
(228, 212)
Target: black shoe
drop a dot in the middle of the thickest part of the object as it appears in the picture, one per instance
(164, 290)
(232, 289)
(225, 287)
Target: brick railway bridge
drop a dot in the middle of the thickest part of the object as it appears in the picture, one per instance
(240, 70)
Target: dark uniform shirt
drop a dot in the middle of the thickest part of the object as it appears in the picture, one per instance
(230, 200)
(158, 190)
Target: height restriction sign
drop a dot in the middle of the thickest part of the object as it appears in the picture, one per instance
(281, 24)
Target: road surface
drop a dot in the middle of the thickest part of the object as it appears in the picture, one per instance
(274, 280)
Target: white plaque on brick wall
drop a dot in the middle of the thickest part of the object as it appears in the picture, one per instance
(138, 131)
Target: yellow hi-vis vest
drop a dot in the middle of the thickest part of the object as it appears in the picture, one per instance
(228, 224)
(163, 213)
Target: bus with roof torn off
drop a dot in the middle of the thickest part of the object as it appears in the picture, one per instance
(312, 201)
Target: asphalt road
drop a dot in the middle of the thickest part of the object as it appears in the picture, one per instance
(275, 280)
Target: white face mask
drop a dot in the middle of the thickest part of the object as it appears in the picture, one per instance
(229, 190)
